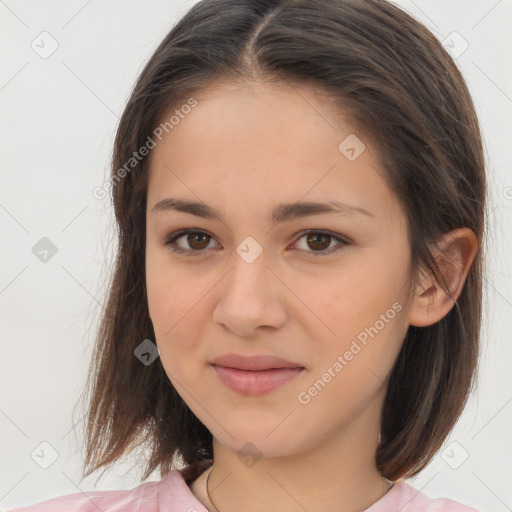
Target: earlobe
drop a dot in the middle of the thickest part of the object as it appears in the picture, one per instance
(454, 255)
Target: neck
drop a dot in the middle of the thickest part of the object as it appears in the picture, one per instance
(339, 474)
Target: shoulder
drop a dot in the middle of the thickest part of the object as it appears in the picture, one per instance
(167, 495)
(406, 498)
(144, 497)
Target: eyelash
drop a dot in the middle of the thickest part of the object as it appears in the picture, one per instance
(171, 239)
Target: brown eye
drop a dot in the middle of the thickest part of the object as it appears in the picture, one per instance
(319, 241)
(195, 242)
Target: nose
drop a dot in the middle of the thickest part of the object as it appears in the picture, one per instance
(251, 297)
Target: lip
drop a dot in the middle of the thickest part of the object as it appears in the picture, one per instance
(256, 374)
(254, 362)
(256, 382)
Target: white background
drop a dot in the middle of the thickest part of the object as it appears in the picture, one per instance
(58, 119)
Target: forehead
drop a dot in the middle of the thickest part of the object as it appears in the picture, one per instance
(265, 143)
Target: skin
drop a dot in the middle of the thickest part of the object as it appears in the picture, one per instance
(243, 150)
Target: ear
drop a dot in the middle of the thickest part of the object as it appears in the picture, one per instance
(454, 255)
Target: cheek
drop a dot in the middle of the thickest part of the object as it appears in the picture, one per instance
(171, 295)
(347, 300)
(178, 307)
(359, 315)
(351, 368)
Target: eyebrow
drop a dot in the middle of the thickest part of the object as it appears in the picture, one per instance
(281, 213)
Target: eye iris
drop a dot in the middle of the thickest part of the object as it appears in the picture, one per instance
(313, 238)
(192, 236)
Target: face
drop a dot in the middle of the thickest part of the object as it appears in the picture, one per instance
(328, 291)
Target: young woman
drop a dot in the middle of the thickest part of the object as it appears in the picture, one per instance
(294, 317)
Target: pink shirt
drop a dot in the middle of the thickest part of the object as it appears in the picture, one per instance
(172, 494)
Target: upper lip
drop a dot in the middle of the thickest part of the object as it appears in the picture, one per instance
(253, 362)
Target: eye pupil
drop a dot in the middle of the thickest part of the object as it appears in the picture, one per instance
(192, 236)
(312, 238)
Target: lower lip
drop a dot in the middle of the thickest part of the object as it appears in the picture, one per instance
(255, 382)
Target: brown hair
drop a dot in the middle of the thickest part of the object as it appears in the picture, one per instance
(404, 92)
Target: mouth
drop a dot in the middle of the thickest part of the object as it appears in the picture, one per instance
(256, 382)
(254, 362)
